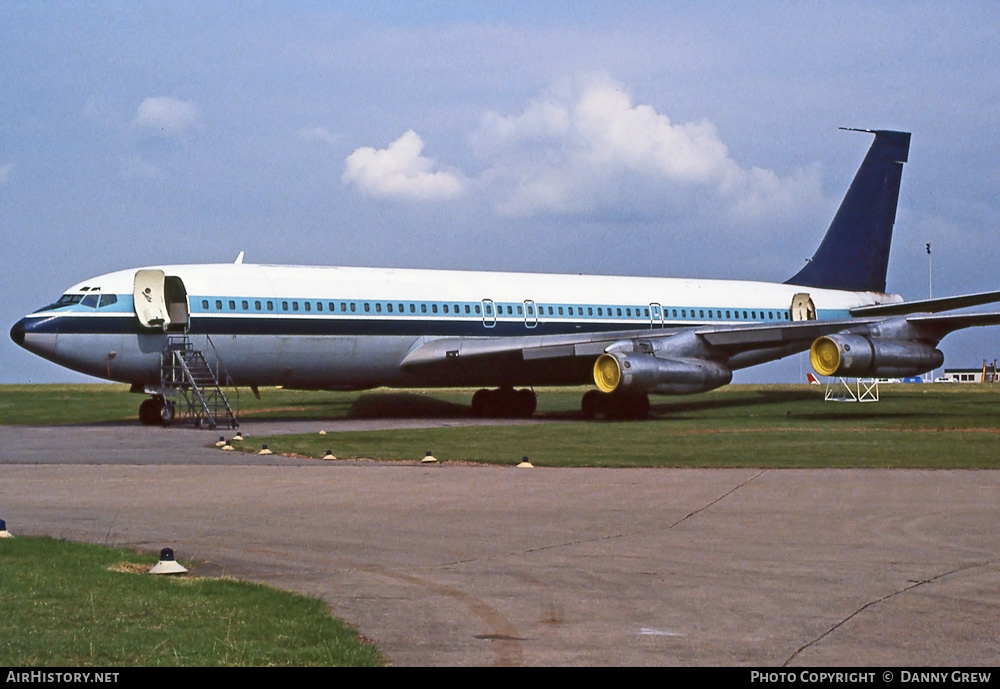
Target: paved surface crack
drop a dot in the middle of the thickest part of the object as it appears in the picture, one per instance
(877, 601)
(608, 537)
(718, 499)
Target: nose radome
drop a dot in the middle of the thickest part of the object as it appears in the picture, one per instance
(17, 333)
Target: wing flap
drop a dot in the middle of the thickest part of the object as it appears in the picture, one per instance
(528, 347)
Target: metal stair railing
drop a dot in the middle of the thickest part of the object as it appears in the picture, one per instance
(191, 388)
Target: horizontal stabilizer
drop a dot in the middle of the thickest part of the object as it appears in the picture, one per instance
(942, 324)
(928, 305)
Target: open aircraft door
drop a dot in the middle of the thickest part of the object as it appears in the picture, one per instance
(160, 301)
(803, 308)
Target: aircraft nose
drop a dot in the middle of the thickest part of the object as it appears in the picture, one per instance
(17, 333)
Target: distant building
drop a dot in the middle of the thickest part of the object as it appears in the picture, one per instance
(987, 373)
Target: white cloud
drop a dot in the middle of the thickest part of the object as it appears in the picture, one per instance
(168, 116)
(586, 148)
(316, 134)
(400, 171)
(5, 172)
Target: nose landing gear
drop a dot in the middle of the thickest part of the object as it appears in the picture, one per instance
(156, 411)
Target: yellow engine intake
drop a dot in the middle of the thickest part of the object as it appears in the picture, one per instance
(824, 355)
(607, 373)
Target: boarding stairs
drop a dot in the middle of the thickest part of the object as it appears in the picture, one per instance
(193, 390)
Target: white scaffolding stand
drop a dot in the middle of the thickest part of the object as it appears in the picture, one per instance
(852, 390)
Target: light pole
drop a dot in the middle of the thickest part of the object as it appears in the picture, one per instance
(930, 279)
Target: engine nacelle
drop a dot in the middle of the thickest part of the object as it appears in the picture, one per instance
(647, 373)
(858, 356)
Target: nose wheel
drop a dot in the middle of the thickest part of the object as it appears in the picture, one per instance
(155, 412)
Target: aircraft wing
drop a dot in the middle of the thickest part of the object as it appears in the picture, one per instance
(732, 345)
(722, 341)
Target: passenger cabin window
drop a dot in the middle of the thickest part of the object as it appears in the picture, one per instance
(218, 305)
(204, 304)
(232, 305)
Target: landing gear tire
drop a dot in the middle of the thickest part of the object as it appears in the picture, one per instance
(593, 404)
(617, 406)
(504, 403)
(526, 402)
(167, 413)
(150, 410)
(481, 403)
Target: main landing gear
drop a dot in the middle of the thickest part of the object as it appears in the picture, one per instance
(155, 411)
(504, 402)
(617, 405)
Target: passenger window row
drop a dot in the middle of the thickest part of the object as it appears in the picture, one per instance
(489, 308)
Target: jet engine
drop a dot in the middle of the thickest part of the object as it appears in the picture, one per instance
(857, 356)
(619, 371)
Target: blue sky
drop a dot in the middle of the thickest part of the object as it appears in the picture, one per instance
(681, 139)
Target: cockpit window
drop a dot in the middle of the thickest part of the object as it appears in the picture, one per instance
(91, 300)
(108, 300)
(64, 300)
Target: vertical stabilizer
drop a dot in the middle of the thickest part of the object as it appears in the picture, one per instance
(854, 254)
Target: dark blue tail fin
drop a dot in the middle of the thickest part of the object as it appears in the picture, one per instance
(854, 254)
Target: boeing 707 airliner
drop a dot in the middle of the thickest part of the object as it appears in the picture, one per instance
(354, 328)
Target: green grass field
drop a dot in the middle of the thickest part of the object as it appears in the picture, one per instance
(913, 426)
(72, 605)
(742, 426)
